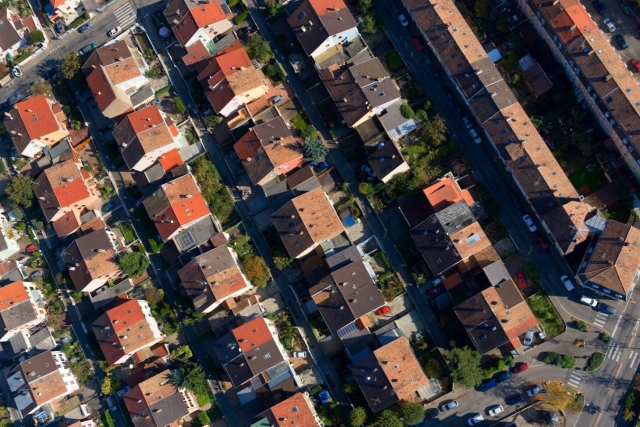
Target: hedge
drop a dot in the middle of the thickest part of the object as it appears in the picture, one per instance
(162, 91)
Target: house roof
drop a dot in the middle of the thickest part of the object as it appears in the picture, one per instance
(212, 277)
(567, 224)
(346, 94)
(116, 61)
(385, 159)
(196, 52)
(306, 221)
(436, 248)
(612, 262)
(170, 159)
(44, 380)
(373, 382)
(59, 186)
(401, 368)
(15, 307)
(185, 28)
(294, 411)
(90, 257)
(446, 192)
(123, 328)
(38, 116)
(66, 224)
(9, 37)
(207, 14)
(469, 240)
(269, 148)
(374, 80)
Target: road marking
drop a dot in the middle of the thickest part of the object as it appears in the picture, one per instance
(616, 327)
(633, 362)
(125, 15)
(575, 378)
(611, 350)
(619, 354)
(600, 320)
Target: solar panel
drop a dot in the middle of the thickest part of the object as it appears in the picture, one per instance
(185, 240)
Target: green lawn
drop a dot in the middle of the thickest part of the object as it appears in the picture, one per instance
(594, 179)
(394, 60)
(546, 314)
(299, 122)
(106, 419)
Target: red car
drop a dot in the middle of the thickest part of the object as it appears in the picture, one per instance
(417, 43)
(31, 248)
(520, 368)
(383, 310)
(521, 281)
(636, 64)
(543, 243)
(435, 290)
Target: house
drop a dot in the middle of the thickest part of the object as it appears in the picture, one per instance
(92, 260)
(387, 161)
(360, 91)
(448, 237)
(498, 316)
(269, 150)
(10, 272)
(40, 380)
(34, 124)
(144, 136)
(194, 22)
(65, 192)
(20, 309)
(611, 265)
(213, 277)
(67, 10)
(394, 123)
(14, 30)
(297, 410)
(306, 221)
(595, 68)
(158, 402)
(322, 27)
(252, 355)
(114, 72)
(447, 192)
(390, 373)
(9, 245)
(126, 331)
(534, 76)
(231, 80)
(175, 206)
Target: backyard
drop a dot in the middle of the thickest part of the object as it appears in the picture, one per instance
(546, 314)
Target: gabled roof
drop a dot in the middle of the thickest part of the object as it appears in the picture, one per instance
(117, 61)
(196, 52)
(346, 94)
(90, 257)
(59, 186)
(8, 34)
(445, 193)
(45, 382)
(207, 14)
(38, 116)
(170, 160)
(306, 221)
(15, 307)
(297, 410)
(385, 159)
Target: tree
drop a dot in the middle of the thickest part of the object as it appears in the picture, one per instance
(357, 416)
(466, 366)
(153, 294)
(182, 352)
(369, 24)
(365, 188)
(191, 377)
(406, 111)
(421, 115)
(256, 270)
(110, 384)
(19, 190)
(388, 418)
(134, 264)
(39, 225)
(412, 412)
(482, 8)
(365, 5)
(70, 65)
(398, 185)
(350, 387)
(41, 87)
(314, 149)
(308, 132)
(257, 48)
(275, 73)
(434, 131)
(104, 365)
(274, 9)
(35, 37)
(212, 120)
(204, 418)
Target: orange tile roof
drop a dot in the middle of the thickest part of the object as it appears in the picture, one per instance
(66, 183)
(123, 71)
(322, 7)
(12, 294)
(465, 240)
(285, 414)
(446, 192)
(101, 88)
(57, 3)
(519, 317)
(255, 332)
(170, 160)
(145, 118)
(207, 14)
(125, 315)
(231, 62)
(401, 368)
(196, 52)
(183, 209)
(37, 115)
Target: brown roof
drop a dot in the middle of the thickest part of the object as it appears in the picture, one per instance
(470, 240)
(345, 92)
(90, 257)
(58, 187)
(294, 411)
(196, 52)
(66, 224)
(401, 368)
(44, 378)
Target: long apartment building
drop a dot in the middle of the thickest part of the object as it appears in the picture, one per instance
(595, 68)
(504, 121)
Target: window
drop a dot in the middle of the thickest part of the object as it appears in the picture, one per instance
(503, 132)
(438, 261)
(496, 122)
(267, 356)
(381, 94)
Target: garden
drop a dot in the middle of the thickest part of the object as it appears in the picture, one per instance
(546, 314)
(213, 190)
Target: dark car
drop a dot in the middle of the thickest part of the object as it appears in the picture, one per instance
(447, 91)
(607, 309)
(512, 400)
(543, 243)
(85, 27)
(432, 413)
(599, 7)
(87, 49)
(503, 376)
(60, 27)
(621, 41)
(488, 385)
(520, 367)
(435, 290)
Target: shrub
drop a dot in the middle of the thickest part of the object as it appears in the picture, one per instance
(581, 325)
(551, 358)
(179, 105)
(241, 17)
(357, 416)
(162, 91)
(275, 73)
(365, 188)
(406, 111)
(595, 361)
(567, 361)
(134, 264)
(605, 337)
(204, 418)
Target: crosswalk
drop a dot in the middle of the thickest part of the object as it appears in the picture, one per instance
(600, 320)
(126, 15)
(614, 352)
(633, 356)
(575, 378)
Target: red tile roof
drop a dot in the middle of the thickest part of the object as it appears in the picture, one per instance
(12, 294)
(294, 411)
(37, 115)
(196, 52)
(125, 315)
(101, 87)
(183, 209)
(170, 160)
(322, 7)
(445, 193)
(207, 14)
(252, 334)
(231, 62)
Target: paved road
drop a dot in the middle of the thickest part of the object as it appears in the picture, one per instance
(614, 375)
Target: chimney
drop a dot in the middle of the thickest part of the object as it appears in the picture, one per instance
(8, 115)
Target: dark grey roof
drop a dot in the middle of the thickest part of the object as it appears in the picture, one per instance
(87, 246)
(226, 348)
(392, 118)
(356, 46)
(196, 234)
(343, 258)
(58, 149)
(142, 96)
(436, 248)
(339, 59)
(455, 217)
(362, 56)
(42, 339)
(303, 180)
(111, 292)
(10, 277)
(333, 308)
(133, 152)
(358, 289)
(3, 243)
(386, 159)
(8, 35)
(155, 173)
(16, 315)
(373, 382)
(497, 273)
(172, 408)
(225, 41)
(15, 126)
(478, 319)
(156, 203)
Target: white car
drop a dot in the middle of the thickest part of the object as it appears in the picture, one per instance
(527, 220)
(301, 354)
(567, 283)
(609, 24)
(467, 123)
(495, 411)
(403, 20)
(449, 406)
(16, 72)
(476, 419)
(113, 32)
(589, 301)
(475, 136)
(528, 337)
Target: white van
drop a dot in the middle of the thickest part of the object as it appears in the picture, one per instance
(589, 301)
(567, 283)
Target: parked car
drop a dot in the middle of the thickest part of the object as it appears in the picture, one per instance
(403, 20)
(113, 32)
(15, 98)
(476, 419)
(60, 27)
(521, 282)
(87, 49)
(301, 354)
(567, 283)
(85, 27)
(621, 41)
(528, 337)
(16, 72)
(598, 6)
(417, 43)
(542, 241)
(607, 309)
(383, 310)
(503, 377)
(467, 123)
(435, 290)
(36, 273)
(520, 367)
(432, 413)
(533, 391)
(609, 24)
(589, 301)
(488, 385)
(368, 170)
(628, 7)
(31, 248)
(475, 136)
(512, 400)
(635, 64)
(495, 410)
(449, 406)
(530, 225)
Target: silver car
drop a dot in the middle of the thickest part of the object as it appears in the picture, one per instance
(449, 406)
